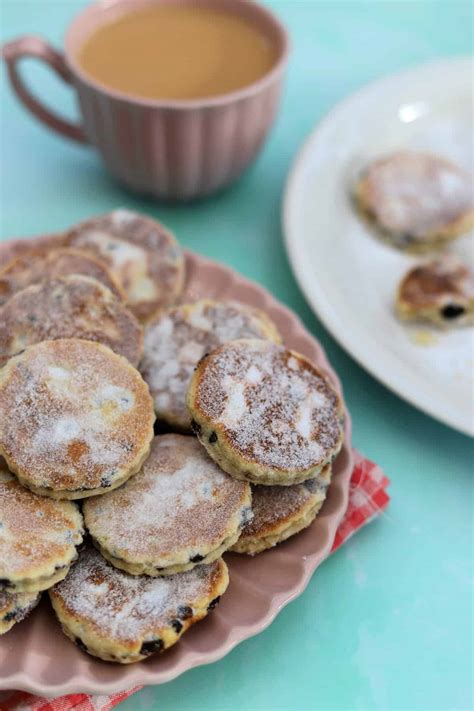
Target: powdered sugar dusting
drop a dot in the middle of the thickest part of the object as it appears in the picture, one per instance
(141, 253)
(84, 412)
(235, 404)
(293, 363)
(42, 265)
(190, 353)
(122, 217)
(304, 413)
(74, 306)
(114, 396)
(126, 607)
(287, 419)
(254, 375)
(417, 193)
(35, 532)
(121, 251)
(124, 258)
(175, 342)
(199, 320)
(180, 500)
(57, 374)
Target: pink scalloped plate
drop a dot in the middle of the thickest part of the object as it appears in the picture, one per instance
(35, 656)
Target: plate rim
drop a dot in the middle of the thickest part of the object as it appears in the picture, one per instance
(21, 680)
(314, 296)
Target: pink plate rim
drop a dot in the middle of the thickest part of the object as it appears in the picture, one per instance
(206, 278)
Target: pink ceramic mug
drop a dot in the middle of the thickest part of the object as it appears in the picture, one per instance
(169, 149)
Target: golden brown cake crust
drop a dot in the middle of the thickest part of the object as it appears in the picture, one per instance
(42, 264)
(440, 291)
(69, 307)
(178, 338)
(179, 511)
(280, 512)
(417, 200)
(76, 419)
(276, 506)
(14, 607)
(125, 618)
(39, 537)
(141, 253)
(264, 413)
(20, 247)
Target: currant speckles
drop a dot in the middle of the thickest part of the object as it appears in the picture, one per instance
(179, 511)
(265, 414)
(439, 291)
(125, 618)
(14, 607)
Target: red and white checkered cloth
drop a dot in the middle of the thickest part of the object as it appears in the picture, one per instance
(367, 499)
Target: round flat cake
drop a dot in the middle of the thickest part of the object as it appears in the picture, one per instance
(38, 538)
(68, 307)
(42, 264)
(265, 414)
(179, 511)
(440, 292)
(416, 200)
(140, 252)
(125, 618)
(280, 512)
(76, 419)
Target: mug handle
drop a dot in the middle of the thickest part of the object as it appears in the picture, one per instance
(31, 46)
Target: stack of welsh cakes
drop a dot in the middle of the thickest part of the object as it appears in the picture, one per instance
(143, 437)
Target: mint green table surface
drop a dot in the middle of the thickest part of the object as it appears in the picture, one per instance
(386, 623)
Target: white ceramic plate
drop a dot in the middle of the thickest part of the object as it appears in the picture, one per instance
(348, 276)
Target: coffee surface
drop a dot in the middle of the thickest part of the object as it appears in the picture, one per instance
(177, 52)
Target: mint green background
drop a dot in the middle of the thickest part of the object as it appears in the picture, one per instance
(386, 623)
